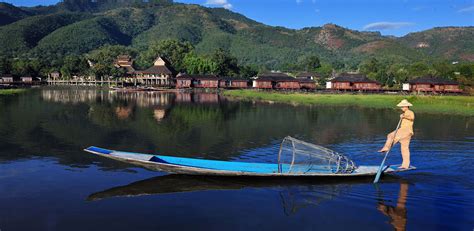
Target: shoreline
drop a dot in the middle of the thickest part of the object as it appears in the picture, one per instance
(11, 91)
(454, 105)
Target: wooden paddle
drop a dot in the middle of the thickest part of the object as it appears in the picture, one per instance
(379, 172)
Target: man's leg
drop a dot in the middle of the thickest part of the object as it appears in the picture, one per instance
(405, 148)
(388, 143)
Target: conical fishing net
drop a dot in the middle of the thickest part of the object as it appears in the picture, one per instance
(299, 157)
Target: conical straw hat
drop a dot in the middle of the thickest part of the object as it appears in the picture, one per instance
(404, 103)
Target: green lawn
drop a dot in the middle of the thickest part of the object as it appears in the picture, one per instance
(11, 91)
(460, 105)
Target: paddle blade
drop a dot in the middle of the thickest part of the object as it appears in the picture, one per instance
(377, 177)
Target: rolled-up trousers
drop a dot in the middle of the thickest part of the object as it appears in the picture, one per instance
(404, 143)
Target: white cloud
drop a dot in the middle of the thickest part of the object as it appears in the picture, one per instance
(466, 9)
(386, 25)
(219, 3)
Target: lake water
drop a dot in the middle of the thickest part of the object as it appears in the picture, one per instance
(48, 183)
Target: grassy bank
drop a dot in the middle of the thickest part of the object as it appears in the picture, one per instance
(460, 105)
(11, 91)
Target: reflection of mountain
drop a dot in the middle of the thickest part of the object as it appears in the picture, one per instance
(35, 124)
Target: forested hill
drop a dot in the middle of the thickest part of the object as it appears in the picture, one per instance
(80, 26)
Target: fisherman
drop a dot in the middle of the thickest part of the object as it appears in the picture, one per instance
(404, 133)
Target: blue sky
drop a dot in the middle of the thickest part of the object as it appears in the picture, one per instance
(390, 17)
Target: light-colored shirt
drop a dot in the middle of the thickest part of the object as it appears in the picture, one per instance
(407, 122)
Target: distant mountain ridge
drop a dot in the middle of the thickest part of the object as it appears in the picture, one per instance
(79, 26)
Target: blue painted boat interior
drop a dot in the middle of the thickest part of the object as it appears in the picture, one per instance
(217, 164)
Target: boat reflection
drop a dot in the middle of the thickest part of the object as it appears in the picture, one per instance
(295, 194)
(397, 213)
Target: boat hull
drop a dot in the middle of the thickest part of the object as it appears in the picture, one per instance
(191, 166)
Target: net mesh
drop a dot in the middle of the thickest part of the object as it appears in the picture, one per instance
(299, 157)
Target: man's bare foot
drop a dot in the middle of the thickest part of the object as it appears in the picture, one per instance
(383, 150)
(403, 167)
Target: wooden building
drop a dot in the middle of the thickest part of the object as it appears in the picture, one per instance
(184, 81)
(55, 75)
(205, 81)
(125, 62)
(309, 75)
(307, 84)
(160, 74)
(26, 79)
(6, 79)
(197, 81)
(275, 80)
(354, 82)
(263, 83)
(434, 84)
(231, 82)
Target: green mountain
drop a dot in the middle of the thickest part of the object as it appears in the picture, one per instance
(80, 26)
(446, 42)
(10, 13)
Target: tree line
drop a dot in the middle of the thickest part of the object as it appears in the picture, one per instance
(184, 58)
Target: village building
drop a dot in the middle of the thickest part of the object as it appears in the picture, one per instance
(160, 74)
(197, 81)
(309, 75)
(183, 81)
(307, 84)
(55, 75)
(233, 82)
(353, 82)
(432, 84)
(26, 79)
(6, 79)
(125, 62)
(275, 80)
(205, 81)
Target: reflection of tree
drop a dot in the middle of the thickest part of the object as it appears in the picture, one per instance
(61, 122)
(398, 213)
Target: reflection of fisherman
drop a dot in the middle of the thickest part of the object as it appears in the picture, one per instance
(398, 214)
(404, 133)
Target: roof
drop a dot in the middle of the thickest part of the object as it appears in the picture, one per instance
(353, 78)
(127, 57)
(304, 80)
(199, 77)
(308, 74)
(433, 80)
(275, 76)
(234, 79)
(129, 69)
(157, 70)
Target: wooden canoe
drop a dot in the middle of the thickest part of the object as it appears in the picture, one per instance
(192, 166)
